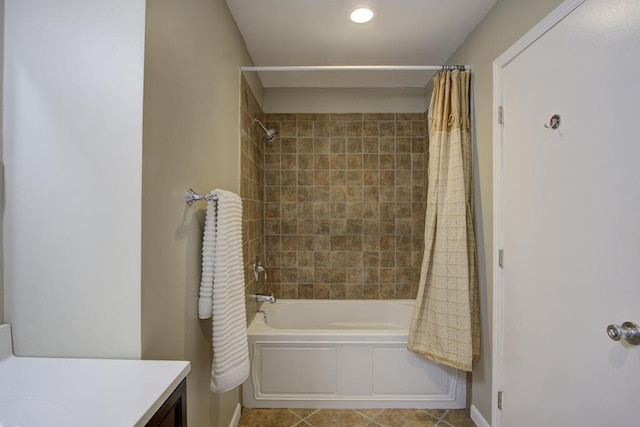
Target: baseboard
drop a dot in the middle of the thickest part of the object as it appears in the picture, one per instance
(236, 416)
(477, 418)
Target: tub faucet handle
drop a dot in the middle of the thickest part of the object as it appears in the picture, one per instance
(257, 269)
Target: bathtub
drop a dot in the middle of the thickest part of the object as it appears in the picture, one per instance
(343, 354)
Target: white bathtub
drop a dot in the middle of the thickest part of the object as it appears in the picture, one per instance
(343, 354)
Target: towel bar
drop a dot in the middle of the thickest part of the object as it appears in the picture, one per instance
(191, 196)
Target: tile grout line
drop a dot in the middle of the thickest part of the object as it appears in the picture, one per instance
(304, 418)
(368, 418)
(438, 419)
(441, 420)
(300, 419)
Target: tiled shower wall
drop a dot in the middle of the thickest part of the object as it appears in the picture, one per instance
(252, 193)
(344, 205)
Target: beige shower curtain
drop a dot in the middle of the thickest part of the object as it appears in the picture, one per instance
(446, 326)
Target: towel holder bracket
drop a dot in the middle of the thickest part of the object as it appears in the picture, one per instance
(191, 197)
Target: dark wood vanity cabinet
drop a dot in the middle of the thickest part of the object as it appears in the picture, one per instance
(173, 412)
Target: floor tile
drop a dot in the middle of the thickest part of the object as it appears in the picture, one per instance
(369, 413)
(303, 413)
(337, 417)
(459, 418)
(268, 418)
(355, 418)
(438, 413)
(405, 418)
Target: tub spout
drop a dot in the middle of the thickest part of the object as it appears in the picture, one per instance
(265, 298)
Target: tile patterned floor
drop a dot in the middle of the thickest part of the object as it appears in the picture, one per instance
(355, 418)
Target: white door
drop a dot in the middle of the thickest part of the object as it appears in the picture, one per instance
(571, 222)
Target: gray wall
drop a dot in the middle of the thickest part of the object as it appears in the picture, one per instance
(1, 163)
(73, 160)
(344, 100)
(502, 27)
(191, 138)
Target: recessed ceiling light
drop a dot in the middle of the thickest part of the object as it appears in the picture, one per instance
(361, 15)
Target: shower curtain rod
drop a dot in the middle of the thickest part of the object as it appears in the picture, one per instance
(355, 67)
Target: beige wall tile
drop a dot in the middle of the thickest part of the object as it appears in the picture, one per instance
(352, 188)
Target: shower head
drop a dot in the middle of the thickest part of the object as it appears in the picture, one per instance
(269, 134)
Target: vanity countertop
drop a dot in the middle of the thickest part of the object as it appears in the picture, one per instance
(37, 391)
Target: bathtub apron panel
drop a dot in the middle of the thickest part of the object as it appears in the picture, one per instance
(343, 368)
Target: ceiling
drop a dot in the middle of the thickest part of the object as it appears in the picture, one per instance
(318, 32)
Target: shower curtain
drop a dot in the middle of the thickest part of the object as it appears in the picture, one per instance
(445, 326)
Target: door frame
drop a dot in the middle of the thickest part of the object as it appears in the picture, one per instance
(499, 66)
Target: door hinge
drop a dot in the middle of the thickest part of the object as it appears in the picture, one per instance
(500, 115)
(501, 258)
(500, 400)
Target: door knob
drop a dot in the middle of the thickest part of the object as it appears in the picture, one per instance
(628, 330)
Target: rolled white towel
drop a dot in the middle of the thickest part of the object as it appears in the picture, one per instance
(222, 291)
(205, 300)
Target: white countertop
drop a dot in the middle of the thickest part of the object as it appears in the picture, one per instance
(53, 392)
